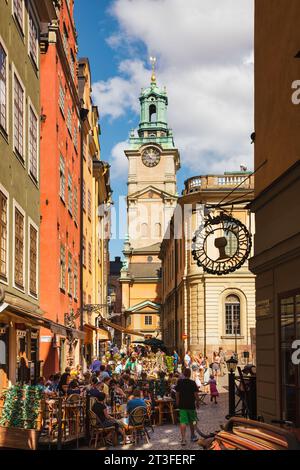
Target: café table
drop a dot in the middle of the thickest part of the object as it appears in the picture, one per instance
(165, 407)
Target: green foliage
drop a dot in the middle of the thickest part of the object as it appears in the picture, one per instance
(21, 407)
(170, 363)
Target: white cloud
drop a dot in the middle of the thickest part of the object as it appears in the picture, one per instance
(205, 57)
(118, 161)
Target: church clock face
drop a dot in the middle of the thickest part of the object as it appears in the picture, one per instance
(151, 157)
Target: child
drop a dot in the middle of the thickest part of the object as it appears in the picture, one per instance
(213, 389)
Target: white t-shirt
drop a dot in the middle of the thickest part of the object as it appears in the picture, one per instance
(187, 359)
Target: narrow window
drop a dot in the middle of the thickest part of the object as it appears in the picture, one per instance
(62, 267)
(233, 315)
(19, 249)
(3, 236)
(62, 178)
(33, 144)
(3, 88)
(33, 249)
(18, 117)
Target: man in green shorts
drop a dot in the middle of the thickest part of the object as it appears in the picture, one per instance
(186, 397)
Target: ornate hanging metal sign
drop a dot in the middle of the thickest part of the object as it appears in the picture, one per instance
(221, 245)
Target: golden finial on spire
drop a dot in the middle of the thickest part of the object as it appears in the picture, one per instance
(153, 61)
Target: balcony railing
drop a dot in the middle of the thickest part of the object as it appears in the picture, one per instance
(218, 182)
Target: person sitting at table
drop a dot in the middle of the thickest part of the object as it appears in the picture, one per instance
(132, 385)
(103, 373)
(106, 420)
(117, 392)
(73, 388)
(94, 390)
(64, 381)
(104, 387)
(135, 401)
(161, 386)
(52, 387)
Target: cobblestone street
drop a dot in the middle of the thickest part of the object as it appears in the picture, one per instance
(167, 437)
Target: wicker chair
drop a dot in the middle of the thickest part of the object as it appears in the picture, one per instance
(97, 431)
(136, 426)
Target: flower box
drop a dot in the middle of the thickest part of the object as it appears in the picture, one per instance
(17, 438)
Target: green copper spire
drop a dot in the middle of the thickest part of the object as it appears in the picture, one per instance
(153, 125)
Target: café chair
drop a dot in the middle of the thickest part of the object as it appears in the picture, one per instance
(98, 432)
(136, 426)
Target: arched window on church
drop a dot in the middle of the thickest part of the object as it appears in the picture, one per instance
(152, 113)
(233, 315)
(157, 230)
(144, 231)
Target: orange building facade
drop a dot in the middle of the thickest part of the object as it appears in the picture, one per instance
(60, 194)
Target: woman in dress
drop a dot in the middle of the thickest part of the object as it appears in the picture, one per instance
(216, 366)
(206, 374)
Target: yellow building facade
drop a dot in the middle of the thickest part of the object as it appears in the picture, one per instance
(96, 195)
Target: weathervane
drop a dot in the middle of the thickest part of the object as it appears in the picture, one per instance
(153, 61)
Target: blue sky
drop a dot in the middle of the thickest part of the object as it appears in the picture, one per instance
(205, 58)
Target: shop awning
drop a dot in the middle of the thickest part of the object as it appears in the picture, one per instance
(77, 333)
(58, 329)
(103, 333)
(22, 309)
(121, 328)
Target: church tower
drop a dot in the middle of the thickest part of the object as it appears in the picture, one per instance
(153, 164)
(152, 195)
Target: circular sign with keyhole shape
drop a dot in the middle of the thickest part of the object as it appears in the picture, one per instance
(221, 245)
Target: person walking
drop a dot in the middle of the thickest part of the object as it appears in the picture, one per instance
(176, 360)
(95, 366)
(222, 362)
(216, 366)
(213, 389)
(187, 360)
(206, 374)
(186, 398)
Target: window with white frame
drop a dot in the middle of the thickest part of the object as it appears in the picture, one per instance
(148, 320)
(19, 112)
(18, 9)
(3, 88)
(33, 260)
(69, 120)
(84, 251)
(75, 136)
(33, 143)
(62, 178)
(75, 204)
(232, 315)
(72, 65)
(3, 236)
(90, 257)
(75, 281)
(33, 38)
(62, 267)
(89, 205)
(70, 274)
(70, 193)
(66, 41)
(62, 98)
(83, 196)
(19, 248)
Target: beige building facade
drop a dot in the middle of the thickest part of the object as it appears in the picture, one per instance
(199, 309)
